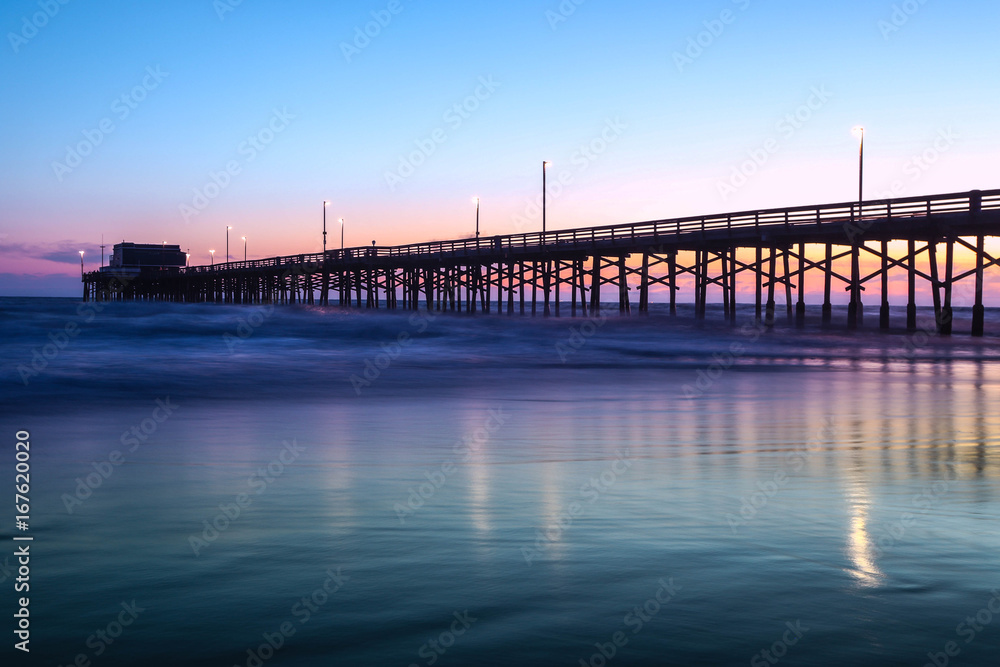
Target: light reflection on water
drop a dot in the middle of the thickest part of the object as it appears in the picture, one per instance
(881, 541)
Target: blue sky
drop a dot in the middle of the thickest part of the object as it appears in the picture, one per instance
(923, 85)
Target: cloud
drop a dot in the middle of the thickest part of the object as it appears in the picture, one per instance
(62, 252)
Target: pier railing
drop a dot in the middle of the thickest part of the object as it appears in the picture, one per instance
(763, 220)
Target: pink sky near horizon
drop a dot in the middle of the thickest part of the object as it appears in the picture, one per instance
(636, 137)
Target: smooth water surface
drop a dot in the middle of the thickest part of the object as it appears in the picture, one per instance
(501, 491)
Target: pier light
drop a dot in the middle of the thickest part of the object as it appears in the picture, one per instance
(227, 243)
(213, 256)
(545, 165)
(476, 200)
(325, 204)
(244, 248)
(81, 263)
(341, 233)
(859, 132)
(187, 260)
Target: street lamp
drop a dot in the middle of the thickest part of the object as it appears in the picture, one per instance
(244, 248)
(227, 243)
(860, 132)
(545, 166)
(341, 233)
(81, 263)
(325, 204)
(476, 199)
(855, 310)
(187, 260)
(213, 257)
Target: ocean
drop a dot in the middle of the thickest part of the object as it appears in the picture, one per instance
(256, 485)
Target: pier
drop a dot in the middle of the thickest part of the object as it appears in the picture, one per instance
(549, 273)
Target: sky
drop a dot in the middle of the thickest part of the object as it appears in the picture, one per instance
(159, 122)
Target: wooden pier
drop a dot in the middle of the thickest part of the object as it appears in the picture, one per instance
(540, 273)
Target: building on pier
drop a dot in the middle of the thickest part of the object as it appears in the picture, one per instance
(137, 258)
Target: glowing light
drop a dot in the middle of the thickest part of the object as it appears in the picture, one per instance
(860, 546)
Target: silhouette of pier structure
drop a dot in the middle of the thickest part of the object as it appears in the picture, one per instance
(542, 273)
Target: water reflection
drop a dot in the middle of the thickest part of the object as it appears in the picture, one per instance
(860, 546)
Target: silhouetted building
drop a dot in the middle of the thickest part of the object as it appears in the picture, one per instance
(145, 257)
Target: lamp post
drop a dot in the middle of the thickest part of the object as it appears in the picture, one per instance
(227, 243)
(860, 132)
(547, 267)
(325, 204)
(545, 166)
(476, 199)
(213, 257)
(187, 258)
(81, 264)
(244, 248)
(855, 310)
(341, 233)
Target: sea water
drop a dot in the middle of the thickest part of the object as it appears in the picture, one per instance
(248, 485)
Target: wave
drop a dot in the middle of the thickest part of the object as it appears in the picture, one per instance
(62, 348)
